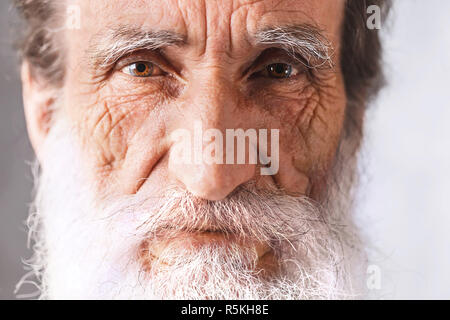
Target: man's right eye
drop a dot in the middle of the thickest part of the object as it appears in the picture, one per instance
(142, 69)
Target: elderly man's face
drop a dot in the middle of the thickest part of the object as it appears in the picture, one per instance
(138, 71)
(217, 74)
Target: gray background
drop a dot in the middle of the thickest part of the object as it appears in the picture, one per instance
(405, 201)
(15, 151)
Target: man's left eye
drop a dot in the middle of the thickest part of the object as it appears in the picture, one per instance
(142, 69)
(277, 71)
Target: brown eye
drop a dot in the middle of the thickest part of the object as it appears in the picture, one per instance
(279, 70)
(142, 69)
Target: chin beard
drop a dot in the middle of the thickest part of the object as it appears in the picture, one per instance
(91, 246)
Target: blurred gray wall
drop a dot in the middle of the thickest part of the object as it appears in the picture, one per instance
(406, 205)
(15, 152)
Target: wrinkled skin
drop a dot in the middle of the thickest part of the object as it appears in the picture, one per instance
(124, 122)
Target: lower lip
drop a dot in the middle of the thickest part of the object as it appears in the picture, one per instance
(192, 241)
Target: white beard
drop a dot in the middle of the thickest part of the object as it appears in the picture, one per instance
(87, 246)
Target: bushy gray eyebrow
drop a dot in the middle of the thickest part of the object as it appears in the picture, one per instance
(107, 47)
(305, 41)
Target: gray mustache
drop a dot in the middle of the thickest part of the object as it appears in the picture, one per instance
(248, 213)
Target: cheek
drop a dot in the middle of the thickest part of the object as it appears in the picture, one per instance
(112, 120)
(112, 125)
(310, 121)
(317, 129)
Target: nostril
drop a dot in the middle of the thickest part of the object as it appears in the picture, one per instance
(210, 189)
(213, 182)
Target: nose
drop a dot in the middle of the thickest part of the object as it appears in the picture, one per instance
(200, 153)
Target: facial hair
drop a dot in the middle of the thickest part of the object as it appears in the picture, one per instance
(89, 246)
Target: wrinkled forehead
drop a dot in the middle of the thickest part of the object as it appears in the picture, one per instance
(222, 24)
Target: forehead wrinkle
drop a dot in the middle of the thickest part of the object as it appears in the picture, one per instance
(107, 46)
